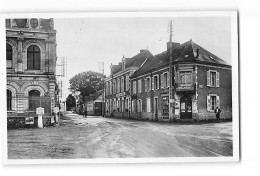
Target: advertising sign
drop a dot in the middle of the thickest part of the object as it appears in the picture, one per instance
(39, 111)
(29, 120)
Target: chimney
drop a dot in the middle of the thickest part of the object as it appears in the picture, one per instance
(142, 50)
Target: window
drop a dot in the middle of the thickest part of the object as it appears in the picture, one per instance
(118, 85)
(127, 83)
(134, 87)
(165, 80)
(212, 78)
(8, 23)
(155, 82)
(122, 84)
(139, 105)
(114, 86)
(34, 23)
(9, 99)
(213, 102)
(148, 84)
(111, 90)
(185, 77)
(34, 100)
(139, 86)
(134, 106)
(148, 105)
(33, 57)
(9, 56)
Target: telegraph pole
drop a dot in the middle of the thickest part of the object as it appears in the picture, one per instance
(101, 68)
(171, 98)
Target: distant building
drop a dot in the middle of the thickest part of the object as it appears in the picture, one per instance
(117, 85)
(30, 64)
(201, 81)
(95, 103)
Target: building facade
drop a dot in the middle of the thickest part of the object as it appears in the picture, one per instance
(201, 82)
(117, 85)
(30, 61)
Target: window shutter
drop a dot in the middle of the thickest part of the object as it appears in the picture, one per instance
(162, 81)
(208, 103)
(208, 78)
(218, 102)
(217, 79)
(145, 84)
(153, 83)
(158, 85)
(168, 79)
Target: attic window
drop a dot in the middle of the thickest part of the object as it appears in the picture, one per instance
(186, 56)
(211, 57)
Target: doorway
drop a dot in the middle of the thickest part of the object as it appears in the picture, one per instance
(156, 108)
(186, 107)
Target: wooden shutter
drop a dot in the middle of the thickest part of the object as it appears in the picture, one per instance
(218, 102)
(162, 81)
(158, 85)
(217, 79)
(208, 103)
(208, 78)
(153, 83)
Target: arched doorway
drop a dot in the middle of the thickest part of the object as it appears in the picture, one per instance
(9, 100)
(186, 107)
(34, 100)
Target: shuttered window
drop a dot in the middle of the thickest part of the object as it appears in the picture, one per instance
(212, 78)
(213, 101)
(148, 105)
(139, 86)
(33, 57)
(134, 87)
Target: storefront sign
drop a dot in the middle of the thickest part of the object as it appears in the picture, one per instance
(184, 88)
(29, 120)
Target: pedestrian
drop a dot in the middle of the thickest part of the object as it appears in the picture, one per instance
(85, 112)
(218, 111)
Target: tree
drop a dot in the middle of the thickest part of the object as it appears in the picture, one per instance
(70, 102)
(87, 82)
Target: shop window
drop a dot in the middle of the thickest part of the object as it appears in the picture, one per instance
(212, 78)
(33, 57)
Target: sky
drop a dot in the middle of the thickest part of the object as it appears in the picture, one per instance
(85, 42)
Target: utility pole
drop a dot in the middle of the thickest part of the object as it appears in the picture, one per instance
(171, 98)
(101, 68)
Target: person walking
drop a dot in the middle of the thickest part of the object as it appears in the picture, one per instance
(217, 111)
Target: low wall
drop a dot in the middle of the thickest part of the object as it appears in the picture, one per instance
(19, 122)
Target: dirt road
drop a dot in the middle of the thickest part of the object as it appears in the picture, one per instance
(98, 137)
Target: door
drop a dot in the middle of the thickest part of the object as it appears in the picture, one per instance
(156, 108)
(165, 107)
(98, 108)
(186, 108)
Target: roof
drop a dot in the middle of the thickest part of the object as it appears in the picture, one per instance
(97, 94)
(135, 61)
(186, 52)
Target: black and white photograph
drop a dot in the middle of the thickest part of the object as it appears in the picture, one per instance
(121, 87)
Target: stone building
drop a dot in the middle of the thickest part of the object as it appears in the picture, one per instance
(201, 81)
(30, 65)
(117, 85)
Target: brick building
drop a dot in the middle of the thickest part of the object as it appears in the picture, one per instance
(30, 61)
(117, 85)
(201, 81)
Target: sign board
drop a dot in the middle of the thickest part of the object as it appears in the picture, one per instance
(56, 109)
(39, 111)
(120, 94)
(185, 88)
(29, 120)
